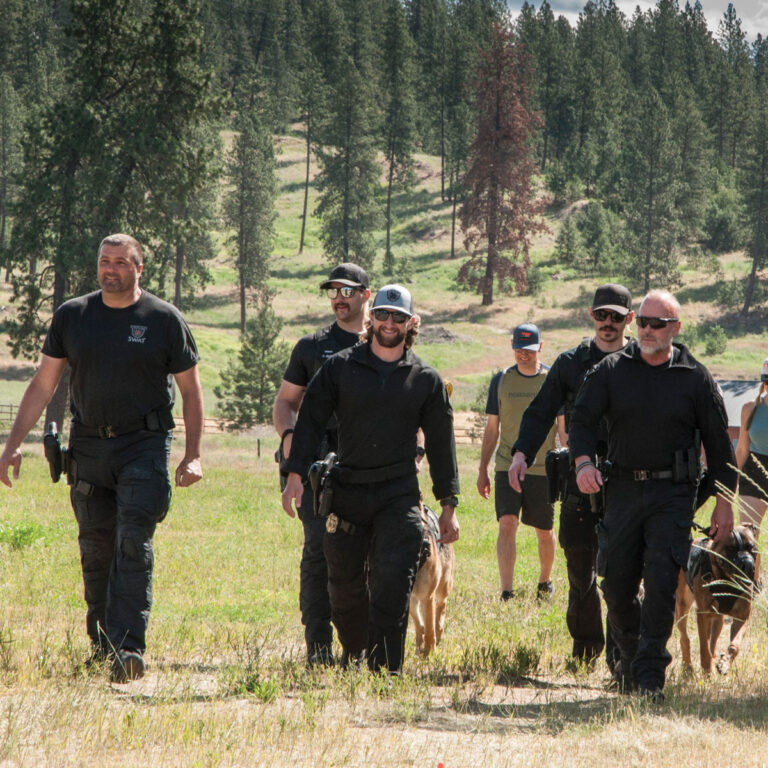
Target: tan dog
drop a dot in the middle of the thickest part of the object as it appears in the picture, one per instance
(720, 579)
(434, 582)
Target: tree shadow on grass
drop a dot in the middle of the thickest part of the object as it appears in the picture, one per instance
(17, 372)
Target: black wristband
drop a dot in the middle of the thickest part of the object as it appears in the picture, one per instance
(450, 501)
(420, 450)
(285, 434)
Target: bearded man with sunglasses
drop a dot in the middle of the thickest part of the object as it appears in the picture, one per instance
(382, 394)
(611, 312)
(347, 288)
(660, 405)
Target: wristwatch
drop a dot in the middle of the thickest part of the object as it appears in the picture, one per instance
(450, 501)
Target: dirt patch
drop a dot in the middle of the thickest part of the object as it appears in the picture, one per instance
(438, 334)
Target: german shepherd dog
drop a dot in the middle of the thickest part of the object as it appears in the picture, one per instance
(721, 580)
(433, 584)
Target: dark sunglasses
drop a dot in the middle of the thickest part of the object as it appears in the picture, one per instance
(603, 314)
(347, 292)
(657, 323)
(382, 314)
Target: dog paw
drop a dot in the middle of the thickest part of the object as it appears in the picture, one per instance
(723, 664)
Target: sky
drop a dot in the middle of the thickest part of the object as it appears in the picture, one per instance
(753, 13)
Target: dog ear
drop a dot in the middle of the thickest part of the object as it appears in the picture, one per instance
(751, 527)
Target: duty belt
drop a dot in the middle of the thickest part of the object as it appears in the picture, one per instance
(641, 475)
(155, 421)
(375, 475)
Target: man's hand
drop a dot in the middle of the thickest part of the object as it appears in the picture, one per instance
(484, 483)
(721, 525)
(448, 524)
(588, 476)
(10, 458)
(294, 490)
(188, 472)
(517, 471)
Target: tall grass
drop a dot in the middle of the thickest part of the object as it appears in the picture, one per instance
(227, 684)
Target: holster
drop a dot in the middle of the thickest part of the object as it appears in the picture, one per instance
(282, 466)
(56, 457)
(597, 500)
(685, 468)
(557, 467)
(321, 482)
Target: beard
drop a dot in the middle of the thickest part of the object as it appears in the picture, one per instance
(389, 341)
(652, 345)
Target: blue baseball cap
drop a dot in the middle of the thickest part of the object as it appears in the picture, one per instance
(526, 336)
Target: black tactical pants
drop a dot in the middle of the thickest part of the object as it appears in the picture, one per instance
(645, 535)
(120, 491)
(371, 570)
(314, 602)
(578, 539)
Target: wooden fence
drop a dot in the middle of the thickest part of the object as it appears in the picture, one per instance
(468, 428)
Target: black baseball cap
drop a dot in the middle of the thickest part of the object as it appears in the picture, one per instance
(526, 336)
(614, 297)
(347, 274)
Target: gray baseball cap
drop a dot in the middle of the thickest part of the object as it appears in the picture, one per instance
(394, 297)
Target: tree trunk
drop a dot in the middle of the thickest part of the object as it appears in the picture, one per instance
(454, 195)
(389, 260)
(178, 275)
(58, 403)
(306, 187)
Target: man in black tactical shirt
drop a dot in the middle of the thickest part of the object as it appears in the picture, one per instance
(347, 288)
(660, 405)
(123, 346)
(611, 312)
(381, 394)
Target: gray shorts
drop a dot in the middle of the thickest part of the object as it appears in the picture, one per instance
(536, 509)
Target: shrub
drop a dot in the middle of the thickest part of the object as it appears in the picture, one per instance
(715, 341)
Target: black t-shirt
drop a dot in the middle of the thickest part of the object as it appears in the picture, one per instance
(121, 359)
(312, 350)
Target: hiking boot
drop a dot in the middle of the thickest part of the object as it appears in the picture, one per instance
(320, 656)
(545, 590)
(507, 595)
(653, 694)
(620, 682)
(127, 665)
(353, 661)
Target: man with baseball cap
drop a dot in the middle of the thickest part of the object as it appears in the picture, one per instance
(510, 392)
(382, 394)
(611, 312)
(347, 288)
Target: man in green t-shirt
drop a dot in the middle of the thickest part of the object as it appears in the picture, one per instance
(509, 394)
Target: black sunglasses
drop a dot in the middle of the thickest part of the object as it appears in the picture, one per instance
(382, 314)
(603, 314)
(657, 323)
(347, 291)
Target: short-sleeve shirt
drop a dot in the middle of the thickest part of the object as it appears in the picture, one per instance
(122, 359)
(517, 391)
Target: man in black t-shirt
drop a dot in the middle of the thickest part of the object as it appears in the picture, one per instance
(347, 288)
(125, 348)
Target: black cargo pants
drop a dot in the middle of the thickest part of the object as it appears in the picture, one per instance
(120, 491)
(645, 535)
(314, 602)
(371, 570)
(578, 540)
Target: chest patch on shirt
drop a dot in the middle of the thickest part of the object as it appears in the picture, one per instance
(138, 334)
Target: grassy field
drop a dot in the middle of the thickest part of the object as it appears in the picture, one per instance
(227, 685)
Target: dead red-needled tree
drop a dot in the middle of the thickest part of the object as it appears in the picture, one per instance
(500, 214)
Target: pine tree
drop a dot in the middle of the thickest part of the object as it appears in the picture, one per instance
(399, 111)
(650, 168)
(249, 207)
(10, 155)
(248, 386)
(500, 214)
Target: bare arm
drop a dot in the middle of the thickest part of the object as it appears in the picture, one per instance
(742, 447)
(37, 395)
(285, 410)
(562, 435)
(490, 439)
(189, 470)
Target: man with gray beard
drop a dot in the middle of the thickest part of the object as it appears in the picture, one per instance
(660, 405)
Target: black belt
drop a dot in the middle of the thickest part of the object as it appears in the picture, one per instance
(641, 475)
(155, 421)
(375, 475)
